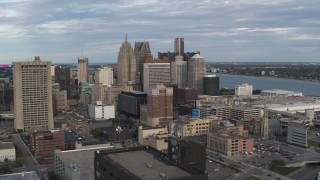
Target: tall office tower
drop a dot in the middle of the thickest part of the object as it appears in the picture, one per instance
(211, 85)
(140, 49)
(265, 123)
(104, 76)
(82, 69)
(32, 95)
(196, 72)
(5, 94)
(159, 108)
(179, 46)
(155, 72)
(62, 76)
(126, 67)
(243, 90)
(179, 72)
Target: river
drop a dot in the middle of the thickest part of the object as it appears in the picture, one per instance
(266, 83)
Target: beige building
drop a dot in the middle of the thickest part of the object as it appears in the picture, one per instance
(191, 127)
(179, 72)
(126, 67)
(108, 94)
(154, 137)
(229, 140)
(243, 112)
(155, 73)
(82, 69)
(60, 102)
(104, 76)
(32, 95)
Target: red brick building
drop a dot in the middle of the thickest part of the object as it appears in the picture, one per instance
(43, 144)
(159, 109)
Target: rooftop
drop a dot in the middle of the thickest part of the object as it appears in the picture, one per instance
(145, 165)
(18, 176)
(82, 160)
(6, 145)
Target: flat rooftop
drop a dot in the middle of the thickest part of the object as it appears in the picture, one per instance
(145, 165)
(18, 176)
(6, 145)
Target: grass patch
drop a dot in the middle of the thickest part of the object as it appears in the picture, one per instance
(277, 166)
(313, 143)
(252, 178)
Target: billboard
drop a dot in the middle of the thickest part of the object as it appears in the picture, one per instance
(195, 112)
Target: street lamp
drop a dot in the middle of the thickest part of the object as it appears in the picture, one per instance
(119, 130)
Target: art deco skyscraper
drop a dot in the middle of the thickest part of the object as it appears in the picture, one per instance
(82, 69)
(179, 70)
(140, 49)
(126, 67)
(32, 95)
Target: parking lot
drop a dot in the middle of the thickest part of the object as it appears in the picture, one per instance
(218, 171)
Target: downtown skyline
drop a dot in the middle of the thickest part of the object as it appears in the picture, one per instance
(223, 31)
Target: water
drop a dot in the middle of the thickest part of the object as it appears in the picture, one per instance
(307, 88)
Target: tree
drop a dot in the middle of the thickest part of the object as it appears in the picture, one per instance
(6, 160)
(19, 161)
(52, 176)
(96, 133)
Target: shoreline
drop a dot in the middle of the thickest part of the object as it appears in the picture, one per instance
(276, 77)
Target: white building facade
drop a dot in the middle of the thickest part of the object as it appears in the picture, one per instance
(101, 111)
(7, 151)
(297, 134)
(243, 90)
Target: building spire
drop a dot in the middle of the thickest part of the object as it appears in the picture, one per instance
(126, 38)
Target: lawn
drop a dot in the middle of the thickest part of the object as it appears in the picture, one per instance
(252, 178)
(277, 166)
(313, 143)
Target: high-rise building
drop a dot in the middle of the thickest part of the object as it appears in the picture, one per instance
(126, 67)
(265, 123)
(32, 95)
(159, 109)
(179, 72)
(179, 46)
(211, 85)
(155, 72)
(140, 49)
(196, 72)
(104, 76)
(82, 69)
(62, 76)
(5, 94)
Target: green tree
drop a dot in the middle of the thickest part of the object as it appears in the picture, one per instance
(19, 161)
(96, 133)
(52, 176)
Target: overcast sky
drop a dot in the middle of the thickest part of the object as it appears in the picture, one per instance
(222, 30)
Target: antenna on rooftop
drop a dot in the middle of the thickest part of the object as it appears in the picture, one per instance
(126, 38)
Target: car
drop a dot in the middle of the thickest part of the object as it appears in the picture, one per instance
(209, 161)
(269, 175)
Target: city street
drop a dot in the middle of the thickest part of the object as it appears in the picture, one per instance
(30, 163)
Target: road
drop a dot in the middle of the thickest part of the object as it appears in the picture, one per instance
(30, 162)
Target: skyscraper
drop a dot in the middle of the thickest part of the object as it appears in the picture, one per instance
(126, 67)
(140, 49)
(32, 95)
(265, 123)
(196, 72)
(104, 75)
(159, 109)
(179, 46)
(211, 85)
(82, 69)
(179, 70)
(62, 76)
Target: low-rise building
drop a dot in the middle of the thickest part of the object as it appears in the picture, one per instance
(43, 144)
(129, 103)
(88, 125)
(297, 134)
(154, 137)
(76, 164)
(243, 90)
(7, 151)
(141, 163)
(32, 175)
(101, 111)
(229, 140)
(191, 127)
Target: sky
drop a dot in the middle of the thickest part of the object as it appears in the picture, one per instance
(222, 30)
